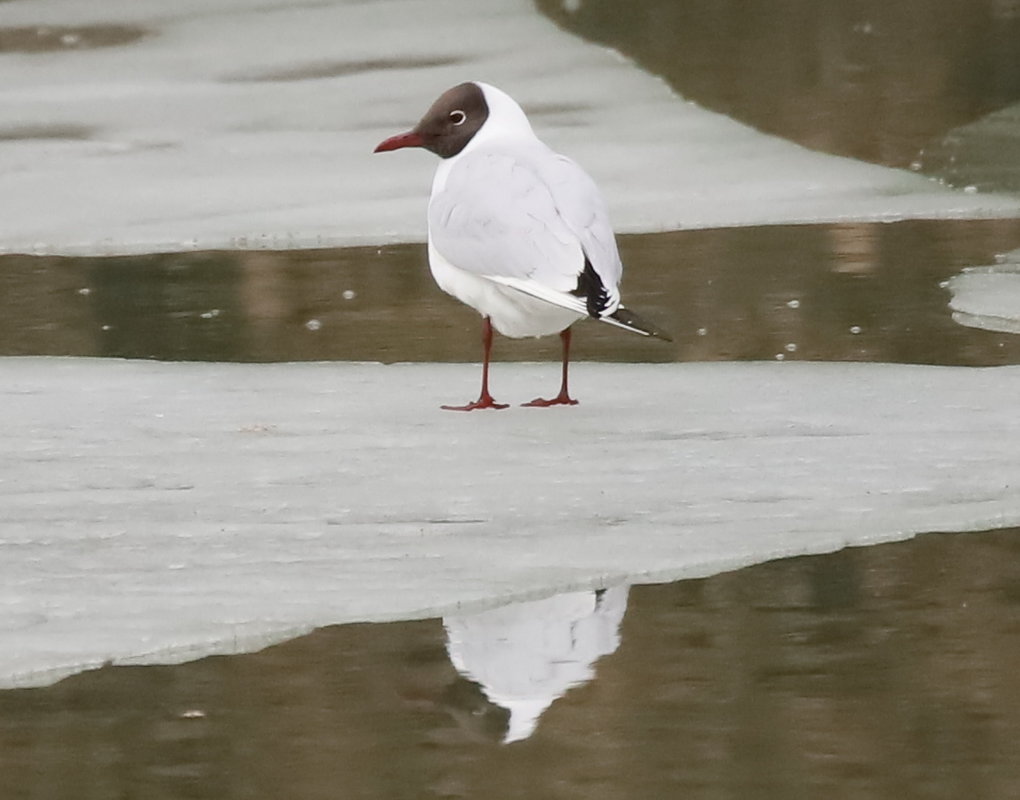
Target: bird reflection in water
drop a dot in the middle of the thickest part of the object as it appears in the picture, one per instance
(518, 659)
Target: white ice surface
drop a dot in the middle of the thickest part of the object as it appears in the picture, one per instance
(201, 136)
(988, 297)
(154, 512)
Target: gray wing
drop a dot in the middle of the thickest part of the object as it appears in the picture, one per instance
(526, 219)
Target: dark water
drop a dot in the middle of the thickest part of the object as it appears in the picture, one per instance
(862, 292)
(884, 673)
(869, 79)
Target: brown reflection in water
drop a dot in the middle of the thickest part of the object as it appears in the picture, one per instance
(882, 672)
(865, 78)
(19, 132)
(54, 38)
(865, 292)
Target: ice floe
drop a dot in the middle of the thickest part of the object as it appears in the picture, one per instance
(156, 512)
(988, 297)
(136, 126)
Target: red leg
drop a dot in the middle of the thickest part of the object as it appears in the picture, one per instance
(563, 398)
(484, 399)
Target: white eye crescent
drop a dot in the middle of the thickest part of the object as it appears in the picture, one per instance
(458, 117)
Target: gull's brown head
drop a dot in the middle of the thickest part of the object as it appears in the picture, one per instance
(448, 125)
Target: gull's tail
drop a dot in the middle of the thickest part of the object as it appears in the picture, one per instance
(621, 318)
(628, 320)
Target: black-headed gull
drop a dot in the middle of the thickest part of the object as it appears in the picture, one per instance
(515, 230)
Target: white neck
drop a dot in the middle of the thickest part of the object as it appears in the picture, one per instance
(507, 120)
(511, 123)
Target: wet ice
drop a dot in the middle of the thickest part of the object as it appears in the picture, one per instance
(159, 512)
(189, 137)
(988, 297)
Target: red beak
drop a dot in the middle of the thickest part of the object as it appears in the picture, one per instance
(409, 139)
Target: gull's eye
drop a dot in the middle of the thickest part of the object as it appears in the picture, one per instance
(457, 117)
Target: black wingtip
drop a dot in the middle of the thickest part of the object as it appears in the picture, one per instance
(631, 321)
(592, 289)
